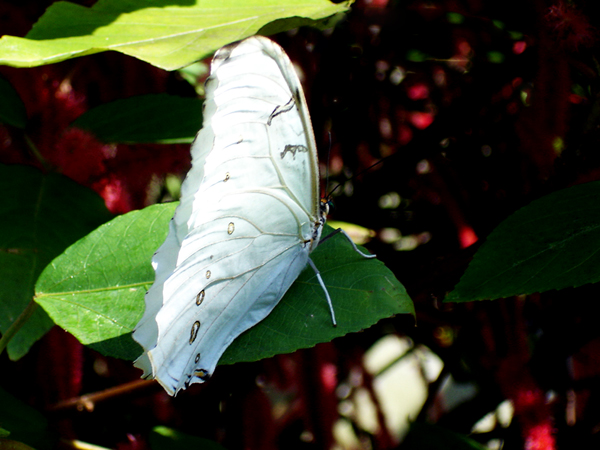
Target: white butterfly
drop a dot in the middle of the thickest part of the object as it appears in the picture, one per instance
(249, 216)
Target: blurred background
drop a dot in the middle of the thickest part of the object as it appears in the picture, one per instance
(473, 109)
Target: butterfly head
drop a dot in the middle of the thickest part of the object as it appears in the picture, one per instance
(324, 209)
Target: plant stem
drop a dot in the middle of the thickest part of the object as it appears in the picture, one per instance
(88, 402)
(37, 153)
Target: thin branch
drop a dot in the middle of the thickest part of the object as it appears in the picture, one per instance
(88, 402)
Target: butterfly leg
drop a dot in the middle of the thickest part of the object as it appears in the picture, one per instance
(339, 230)
(318, 274)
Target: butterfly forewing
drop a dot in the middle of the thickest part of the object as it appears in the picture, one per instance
(247, 221)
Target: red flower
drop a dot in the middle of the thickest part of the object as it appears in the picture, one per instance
(570, 26)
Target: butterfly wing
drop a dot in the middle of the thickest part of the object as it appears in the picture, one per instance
(247, 221)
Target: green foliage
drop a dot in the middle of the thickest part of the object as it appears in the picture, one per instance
(164, 438)
(423, 436)
(12, 109)
(550, 244)
(23, 423)
(160, 118)
(40, 216)
(166, 33)
(363, 291)
(95, 287)
(95, 290)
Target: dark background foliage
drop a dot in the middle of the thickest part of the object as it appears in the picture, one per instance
(475, 108)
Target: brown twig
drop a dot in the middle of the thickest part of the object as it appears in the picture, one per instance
(87, 402)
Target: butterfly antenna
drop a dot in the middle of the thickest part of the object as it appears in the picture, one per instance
(327, 166)
(354, 176)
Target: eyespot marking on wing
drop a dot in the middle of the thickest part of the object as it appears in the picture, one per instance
(207, 274)
(200, 297)
(230, 228)
(226, 177)
(194, 331)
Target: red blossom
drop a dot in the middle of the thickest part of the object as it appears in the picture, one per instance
(421, 120)
(115, 195)
(418, 91)
(570, 26)
(467, 236)
(79, 155)
(405, 134)
(540, 437)
(54, 97)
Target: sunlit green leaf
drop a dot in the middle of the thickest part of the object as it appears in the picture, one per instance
(166, 33)
(95, 290)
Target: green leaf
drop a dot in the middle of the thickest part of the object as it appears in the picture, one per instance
(553, 243)
(164, 438)
(40, 216)
(12, 109)
(24, 423)
(363, 291)
(423, 436)
(95, 290)
(194, 74)
(160, 118)
(166, 33)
